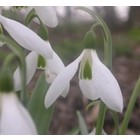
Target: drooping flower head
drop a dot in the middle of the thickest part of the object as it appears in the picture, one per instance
(14, 118)
(31, 41)
(47, 15)
(95, 81)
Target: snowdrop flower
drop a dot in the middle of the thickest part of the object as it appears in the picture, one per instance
(14, 118)
(53, 67)
(47, 15)
(95, 81)
(26, 37)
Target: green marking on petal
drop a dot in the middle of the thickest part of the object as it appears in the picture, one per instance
(41, 62)
(43, 32)
(87, 72)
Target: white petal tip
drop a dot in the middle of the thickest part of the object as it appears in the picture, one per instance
(118, 108)
(53, 25)
(47, 102)
(47, 105)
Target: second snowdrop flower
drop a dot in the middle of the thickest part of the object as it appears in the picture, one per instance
(95, 81)
(47, 15)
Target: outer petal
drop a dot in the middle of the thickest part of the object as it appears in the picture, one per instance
(15, 120)
(66, 90)
(61, 81)
(47, 15)
(26, 37)
(53, 68)
(31, 65)
(105, 84)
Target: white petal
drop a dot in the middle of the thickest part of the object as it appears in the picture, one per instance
(105, 84)
(26, 37)
(61, 81)
(15, 120)
(47, 15)
(66, 90)
(53, 68)
(31, 65)
(88, 89)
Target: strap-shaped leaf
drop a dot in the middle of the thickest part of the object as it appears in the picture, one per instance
(82, 124)
(40, 114)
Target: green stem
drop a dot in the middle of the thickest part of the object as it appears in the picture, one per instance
(101, 118)
(130, 107)
(21, 60)
(106, 36)
(116, 121)
(107, 58)
(9, 60)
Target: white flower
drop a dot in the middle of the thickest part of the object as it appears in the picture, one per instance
(14, 118)
(53, 67)
(31, 65)
(26, 37)
(95, 81)
(47, 15)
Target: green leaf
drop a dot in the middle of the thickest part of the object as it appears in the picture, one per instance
(30, 17)
(82, 124)
(116, 121)
(40, 114)
(74, 131)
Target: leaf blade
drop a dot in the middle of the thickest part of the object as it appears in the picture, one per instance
(36, 107)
